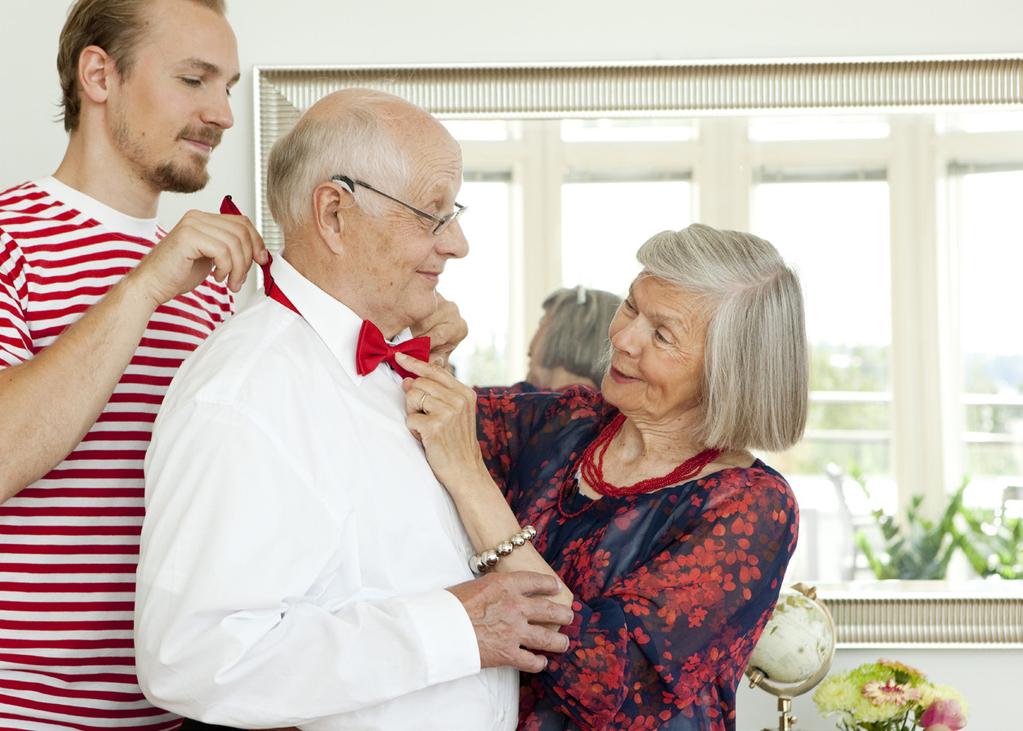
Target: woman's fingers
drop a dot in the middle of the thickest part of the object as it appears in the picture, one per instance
(430, 398)
(424, 369)
(435, 390)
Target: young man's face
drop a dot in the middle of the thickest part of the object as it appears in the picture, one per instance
(168, 115)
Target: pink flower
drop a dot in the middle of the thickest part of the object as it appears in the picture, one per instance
(943, 712)
(880, 693)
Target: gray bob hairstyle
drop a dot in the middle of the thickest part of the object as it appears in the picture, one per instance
(357, 143)
(756, 365)
(576, 334)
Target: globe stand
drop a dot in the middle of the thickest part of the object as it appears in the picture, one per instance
(757, 678)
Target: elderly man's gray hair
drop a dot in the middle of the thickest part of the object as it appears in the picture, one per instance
(357, 143)
(756, 364)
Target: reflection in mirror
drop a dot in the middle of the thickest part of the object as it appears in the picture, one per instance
(902, 217)
(568, 202)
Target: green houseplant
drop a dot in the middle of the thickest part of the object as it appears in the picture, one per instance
(992, 542)
(917, 548)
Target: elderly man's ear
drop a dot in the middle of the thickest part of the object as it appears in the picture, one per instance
(330, 203)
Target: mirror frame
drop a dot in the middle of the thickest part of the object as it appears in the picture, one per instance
(538, 91)
(973, 614)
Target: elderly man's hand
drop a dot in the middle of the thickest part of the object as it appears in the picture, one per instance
(445, 328)
(507, 610)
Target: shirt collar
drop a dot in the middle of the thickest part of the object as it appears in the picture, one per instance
(114, 220)
(335, 324)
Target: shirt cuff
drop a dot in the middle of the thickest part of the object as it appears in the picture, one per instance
(446, 635)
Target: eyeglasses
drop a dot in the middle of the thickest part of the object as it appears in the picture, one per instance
(440, 222)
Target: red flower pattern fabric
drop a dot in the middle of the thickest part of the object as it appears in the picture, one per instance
(672, 588)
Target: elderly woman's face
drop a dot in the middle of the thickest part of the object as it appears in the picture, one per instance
(657, 341)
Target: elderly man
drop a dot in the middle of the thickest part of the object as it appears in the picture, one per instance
(297, 543)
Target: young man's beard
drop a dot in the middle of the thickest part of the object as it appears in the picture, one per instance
(167, 176)
(171, 178)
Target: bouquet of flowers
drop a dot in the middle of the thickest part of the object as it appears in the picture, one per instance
(890, 696)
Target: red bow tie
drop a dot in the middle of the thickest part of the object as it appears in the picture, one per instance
(373, 350)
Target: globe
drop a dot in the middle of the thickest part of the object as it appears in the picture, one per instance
(798, 641)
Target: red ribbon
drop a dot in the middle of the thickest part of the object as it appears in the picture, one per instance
(372, 349)
(269, 285)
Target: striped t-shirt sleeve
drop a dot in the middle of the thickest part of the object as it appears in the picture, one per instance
(15, 341)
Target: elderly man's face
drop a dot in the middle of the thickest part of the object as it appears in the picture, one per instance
(397, 256)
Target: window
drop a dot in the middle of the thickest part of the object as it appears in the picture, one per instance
(603, 223)
(909, 258)
(627, 130)
(990, 253)
(483, 300)
(835, 233)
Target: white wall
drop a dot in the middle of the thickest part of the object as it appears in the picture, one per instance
(465, 31)
(468, 31)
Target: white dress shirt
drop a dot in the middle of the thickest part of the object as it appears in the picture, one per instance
(296, 543)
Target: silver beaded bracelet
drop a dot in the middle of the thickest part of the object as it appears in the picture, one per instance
(481, 563)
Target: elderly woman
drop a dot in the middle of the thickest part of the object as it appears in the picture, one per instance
(570, 344)
(670, 537)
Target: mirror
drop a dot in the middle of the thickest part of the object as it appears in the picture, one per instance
(893, 187)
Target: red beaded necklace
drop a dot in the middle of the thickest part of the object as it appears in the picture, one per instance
(591, 468)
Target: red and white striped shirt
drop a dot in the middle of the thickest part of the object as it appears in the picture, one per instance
(69, 542)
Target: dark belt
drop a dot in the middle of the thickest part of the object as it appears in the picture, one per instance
(190, 725)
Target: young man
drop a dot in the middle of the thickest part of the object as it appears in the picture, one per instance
(95, 317)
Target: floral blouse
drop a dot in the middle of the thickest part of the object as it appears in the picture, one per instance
(672, 588)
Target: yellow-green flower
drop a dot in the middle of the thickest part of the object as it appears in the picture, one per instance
(929, 692)
(881, 695)
(835, 694)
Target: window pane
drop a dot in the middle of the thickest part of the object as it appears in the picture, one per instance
(627, 130)
(835, 233)
(603, 224)
(863, 127)
(991, 259)
(866, 416)
(481, 359)
(989, 120)
(998, 460)
(813, 454)
(487, 130)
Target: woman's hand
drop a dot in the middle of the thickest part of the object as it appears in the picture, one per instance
(442, 416)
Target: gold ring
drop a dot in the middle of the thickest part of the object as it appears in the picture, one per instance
(422, 401)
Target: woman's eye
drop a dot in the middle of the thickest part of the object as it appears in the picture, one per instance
(662, 337)
(191, 81)
(629, 307)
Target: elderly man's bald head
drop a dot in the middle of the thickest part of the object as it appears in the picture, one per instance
(360, 133)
